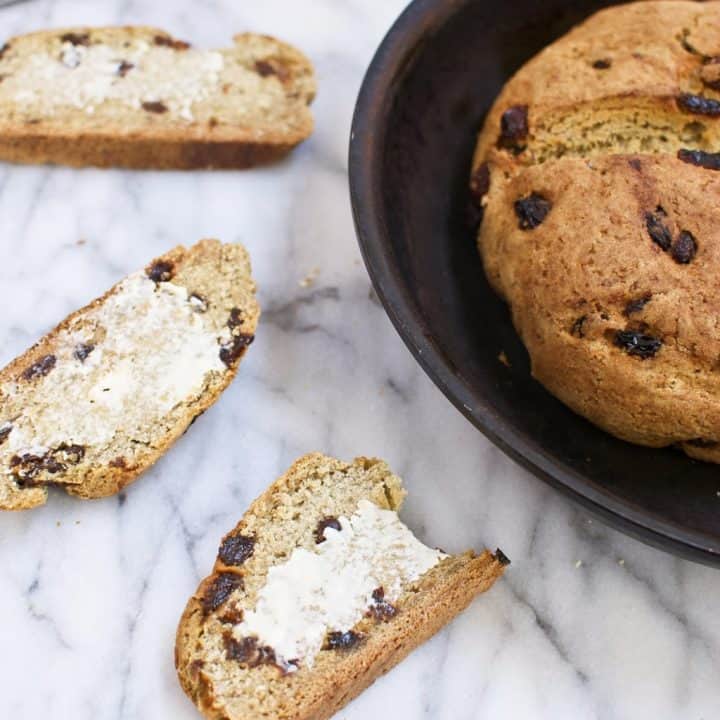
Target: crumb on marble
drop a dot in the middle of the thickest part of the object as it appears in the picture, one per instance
(310, 278)
(578, 563)
(58, 523)
(621, 562)
(503, 358)
(81, 241)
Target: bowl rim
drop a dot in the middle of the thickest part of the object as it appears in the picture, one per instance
(395, 54)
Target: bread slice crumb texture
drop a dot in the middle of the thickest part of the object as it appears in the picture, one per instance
(98, 399)
(317, 591)
(137, 97)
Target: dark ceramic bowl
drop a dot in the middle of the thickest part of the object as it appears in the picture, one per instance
(422, 102)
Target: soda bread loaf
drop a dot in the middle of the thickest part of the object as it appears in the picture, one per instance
(597, 171)
(136, 97)
(318, 591)
(102, 396)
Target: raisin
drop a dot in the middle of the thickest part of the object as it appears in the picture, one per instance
(501, 557)
(124, 68)
(161, 271)
(532, 210)
(167, 41)
(514, 128)
(118, 462)
(232, 616)
(699, 105)
(235, 319)
(637, 344)
(220, 590)
(248, 651)
(702, 443)
(326, 522)
(76, 38)
(381, 609)
(480, 183)
(82, 350)
(602, 64)
(40, 368)
(232, 351)
(635, 164)
(636, 305)
(26, 468)
(5, 430)
(709, 161)
(236, 549)
(342, 640)
(267, 68)
(658, 231)
(72, 454)
(577, 327)
(684, 248)
(155, 106)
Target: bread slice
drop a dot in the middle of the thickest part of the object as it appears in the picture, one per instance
(102, 396)
(136, 97)
(324, 536)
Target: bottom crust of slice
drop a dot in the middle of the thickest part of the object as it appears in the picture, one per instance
(136, 153)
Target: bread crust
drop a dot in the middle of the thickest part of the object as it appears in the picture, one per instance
(318, 693)
(103, 480)
(165, 144)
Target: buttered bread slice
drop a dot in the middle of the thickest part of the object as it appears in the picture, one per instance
(319, 590)
(102, 396)
(136, 97)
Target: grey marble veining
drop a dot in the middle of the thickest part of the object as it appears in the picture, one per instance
(586, 624)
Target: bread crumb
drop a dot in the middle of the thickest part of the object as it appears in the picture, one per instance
(503, 358)
(578, 563)
(621, 562)
(81, 241)
(310, 278)
(58, 524)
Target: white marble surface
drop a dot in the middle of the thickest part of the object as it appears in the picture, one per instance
(586, 624)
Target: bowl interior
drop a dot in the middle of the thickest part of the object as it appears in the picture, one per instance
(419, 111)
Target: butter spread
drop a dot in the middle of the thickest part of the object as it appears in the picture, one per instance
(87, 76)
(150, 350)
(331, 587)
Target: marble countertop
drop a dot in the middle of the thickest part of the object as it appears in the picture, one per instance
(586, 623)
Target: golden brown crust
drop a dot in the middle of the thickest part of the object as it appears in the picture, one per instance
(159, 142)
(206, 260)
(336, 678)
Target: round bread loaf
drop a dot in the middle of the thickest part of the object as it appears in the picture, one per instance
(597, 169)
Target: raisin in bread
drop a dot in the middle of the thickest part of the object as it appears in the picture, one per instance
(136, 97)
(597, 164)
(318, 591)
(102, 396)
